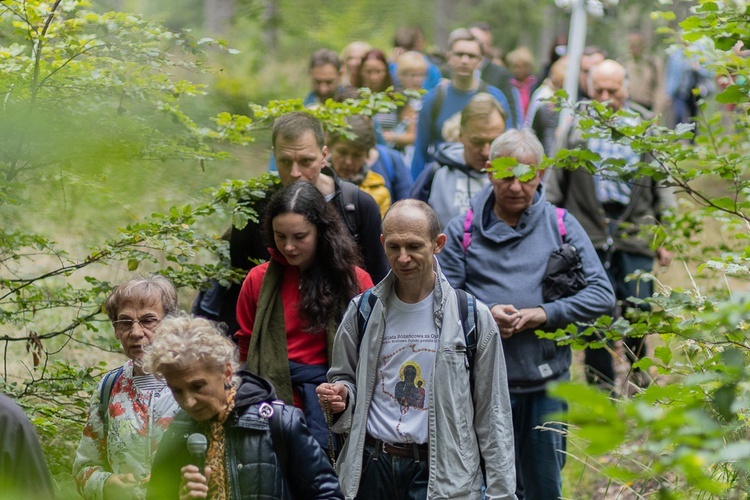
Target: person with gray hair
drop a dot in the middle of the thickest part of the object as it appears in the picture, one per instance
(513, 227)
(613, 211)
(129, 410)
(232, 439)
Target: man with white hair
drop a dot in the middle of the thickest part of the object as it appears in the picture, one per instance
(612, 211)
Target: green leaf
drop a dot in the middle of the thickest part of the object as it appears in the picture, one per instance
(239, 219)
(506, 167)
(734, 94)
(708, 7)
(722, 401)
(133, 264)
(663, 354)
(725, 203)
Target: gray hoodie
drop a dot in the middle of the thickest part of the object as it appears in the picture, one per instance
(505, 265)
(448, 184)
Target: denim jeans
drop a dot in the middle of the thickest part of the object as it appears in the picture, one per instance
(392, 477)
(540, 453)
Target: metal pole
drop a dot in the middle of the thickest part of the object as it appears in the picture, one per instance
(576, 43)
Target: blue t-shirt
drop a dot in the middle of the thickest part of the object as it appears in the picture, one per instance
(429, 133)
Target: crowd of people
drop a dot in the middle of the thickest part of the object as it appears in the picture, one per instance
(386, 347)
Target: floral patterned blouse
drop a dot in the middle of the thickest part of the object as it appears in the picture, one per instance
(140, 410)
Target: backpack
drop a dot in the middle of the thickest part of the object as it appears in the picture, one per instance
(466, 241)
(385, 154)
(467, 309)
(349, 207)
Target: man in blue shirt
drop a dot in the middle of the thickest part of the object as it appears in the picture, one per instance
(325, 74)
(449, 97)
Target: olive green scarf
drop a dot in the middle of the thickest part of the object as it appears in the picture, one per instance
(267, 353)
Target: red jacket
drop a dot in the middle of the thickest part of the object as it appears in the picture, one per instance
(303, 347)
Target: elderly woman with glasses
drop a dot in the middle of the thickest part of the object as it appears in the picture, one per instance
(232, 439)
(129, 410)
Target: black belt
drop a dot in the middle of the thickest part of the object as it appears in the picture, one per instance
(409, 450)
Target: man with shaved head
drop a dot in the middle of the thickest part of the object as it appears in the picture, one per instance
(422, 408)
(612, 210)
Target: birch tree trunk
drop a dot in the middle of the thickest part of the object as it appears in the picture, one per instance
(271, 21)
(443, 20)
(218, 15)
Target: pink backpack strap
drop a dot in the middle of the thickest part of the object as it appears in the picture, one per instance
(560, 224)
(466, 241)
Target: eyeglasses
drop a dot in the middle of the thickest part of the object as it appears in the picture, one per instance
(461, 55)
(146, 322)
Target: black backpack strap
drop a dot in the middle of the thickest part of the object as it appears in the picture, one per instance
(106, 392)
(364, 311)
(349, 201)
(467, 311)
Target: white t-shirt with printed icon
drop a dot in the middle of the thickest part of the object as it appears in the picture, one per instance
(400, 402)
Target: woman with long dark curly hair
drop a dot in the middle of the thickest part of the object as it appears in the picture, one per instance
(289, 307)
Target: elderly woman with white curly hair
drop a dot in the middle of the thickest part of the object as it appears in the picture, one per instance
(250, 442)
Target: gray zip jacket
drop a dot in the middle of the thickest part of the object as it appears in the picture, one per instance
(463, 428)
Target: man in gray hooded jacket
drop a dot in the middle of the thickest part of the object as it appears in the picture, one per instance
(457, 174)
(417, 429)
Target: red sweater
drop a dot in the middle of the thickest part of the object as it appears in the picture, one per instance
(302, 346)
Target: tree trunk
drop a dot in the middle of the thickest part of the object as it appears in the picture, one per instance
(218, 15)
(443, 20)
(271, 21)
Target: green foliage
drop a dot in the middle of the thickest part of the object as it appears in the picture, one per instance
(686, 435)
(85, 93)
(89, 96)
(335, 23)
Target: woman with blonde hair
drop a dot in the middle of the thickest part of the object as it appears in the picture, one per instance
(351, 57)
(411, 71)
